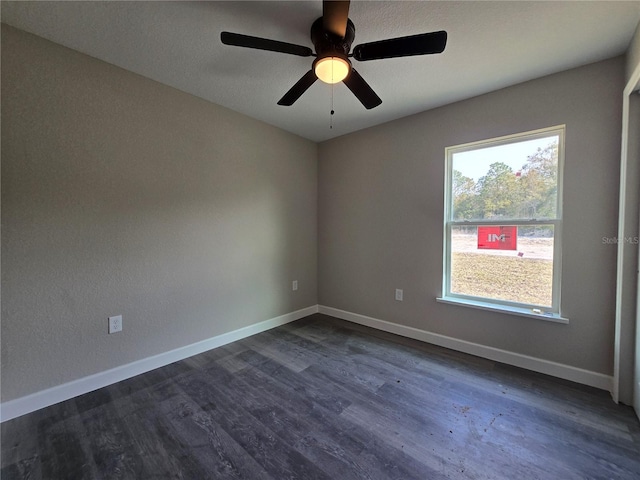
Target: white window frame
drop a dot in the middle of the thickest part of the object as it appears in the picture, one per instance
(485, 303)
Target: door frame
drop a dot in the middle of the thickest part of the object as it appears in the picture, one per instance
(623, 232)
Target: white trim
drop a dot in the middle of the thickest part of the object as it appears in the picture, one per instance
(567, 372)
(615, 392)
(632, 84)
(505, 139)
(482, 222)
(507, 309)
(59, 393)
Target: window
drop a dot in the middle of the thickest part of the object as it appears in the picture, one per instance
(503, 223)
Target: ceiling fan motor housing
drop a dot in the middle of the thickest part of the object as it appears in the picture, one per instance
(328, 44)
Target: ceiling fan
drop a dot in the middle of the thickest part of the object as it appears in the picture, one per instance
(332, 36)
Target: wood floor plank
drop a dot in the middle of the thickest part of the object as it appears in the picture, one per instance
(291, 417)
(300, 399)
(220, 456)
(271, 452)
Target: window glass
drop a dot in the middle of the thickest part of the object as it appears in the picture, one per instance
(503, 220)
(515, 180)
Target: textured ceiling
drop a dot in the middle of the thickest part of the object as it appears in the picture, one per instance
(491, 45)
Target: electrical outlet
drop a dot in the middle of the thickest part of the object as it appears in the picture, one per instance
(115, 324)
(294, 285)
(398, 294)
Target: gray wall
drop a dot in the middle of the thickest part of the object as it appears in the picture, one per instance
(124, 196)
(380, 215)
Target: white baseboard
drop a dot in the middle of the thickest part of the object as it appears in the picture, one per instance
(559, 370)
(51, 396)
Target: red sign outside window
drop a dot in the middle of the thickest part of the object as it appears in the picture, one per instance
(498, 238)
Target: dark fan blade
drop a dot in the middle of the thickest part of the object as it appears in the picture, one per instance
(334, 16)
(362, 90)
(298, 89)
(247, 41)
(423, 44)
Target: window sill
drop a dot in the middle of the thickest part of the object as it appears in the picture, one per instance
(492, 307)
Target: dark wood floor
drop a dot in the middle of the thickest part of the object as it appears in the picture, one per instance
(325, 399)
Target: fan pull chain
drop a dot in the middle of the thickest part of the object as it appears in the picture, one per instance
(332, 111)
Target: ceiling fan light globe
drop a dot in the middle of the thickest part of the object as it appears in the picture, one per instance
(332, 69)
